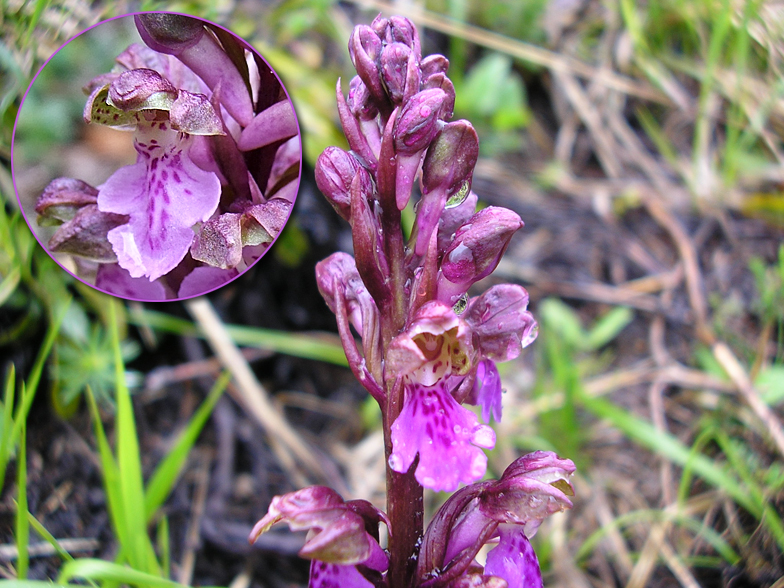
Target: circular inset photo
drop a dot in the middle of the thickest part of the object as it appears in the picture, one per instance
(156, 156)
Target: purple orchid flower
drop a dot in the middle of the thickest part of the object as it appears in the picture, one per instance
(427, 348)
(218, 156)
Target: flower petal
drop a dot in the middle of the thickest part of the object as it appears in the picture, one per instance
(514, 559)
(113, 279)
(446, 436)
(165, 194)
(487, 391)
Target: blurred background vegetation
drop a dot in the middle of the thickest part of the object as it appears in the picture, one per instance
(642, 143)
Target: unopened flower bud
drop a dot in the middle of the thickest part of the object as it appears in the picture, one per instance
(359, 100)
(335, 170)
(62, 199)
(394, 68)
(451, 158)
(417, 123)
(402, 30)
(169, 33)
(380, 25)
(187, 39)
(476, 250)
(439, 80)
(446, 175)
(364, 48)
(433, 64)
(85, 234)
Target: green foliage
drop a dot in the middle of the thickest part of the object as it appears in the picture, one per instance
(564, 340)
(310, 346)
(131, 505)
(84, 358)
(492, 95)
(770, 305)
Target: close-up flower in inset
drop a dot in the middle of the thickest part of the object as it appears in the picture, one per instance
(217, 164)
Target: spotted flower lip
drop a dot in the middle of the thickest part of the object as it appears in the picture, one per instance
(437, 343)
(164, 195)
(447, 437)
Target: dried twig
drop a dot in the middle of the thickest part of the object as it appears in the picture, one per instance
(192, 536)
(284, 440)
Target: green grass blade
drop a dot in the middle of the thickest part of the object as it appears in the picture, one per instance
(165, 475)
(48, 537)
(164, 549)
(22, 525)
(111, 474)
(9, 284)
(96, 569)
(671, 448)
(32, 386)
(8, 420)
(129, 463)
(710, 536)
(318, 346)
(34, 584)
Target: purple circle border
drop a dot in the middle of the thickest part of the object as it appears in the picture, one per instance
(249, 47)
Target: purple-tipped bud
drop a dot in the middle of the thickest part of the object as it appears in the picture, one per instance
(417, 123)
(439, 80)
(476, 250)
(453, 218)
(141, 89)
(402, 30)
(364, 48)
(394, 70)
(62, 199)
(501, 322)
(446, 176)
(85, 234)
(169, 33)
(433, 64)
(450, 160)
(368, 240)
(335, 171)
(187, 39)
(354, 131)
(380, 25)
(359, 100)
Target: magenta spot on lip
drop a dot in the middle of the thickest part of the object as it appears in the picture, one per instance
(176, 177)
(188, 192)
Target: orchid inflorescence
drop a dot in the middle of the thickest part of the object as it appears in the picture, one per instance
(217, 168)
(427, 348)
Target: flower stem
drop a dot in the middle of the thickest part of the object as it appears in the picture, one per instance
(404, 504)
